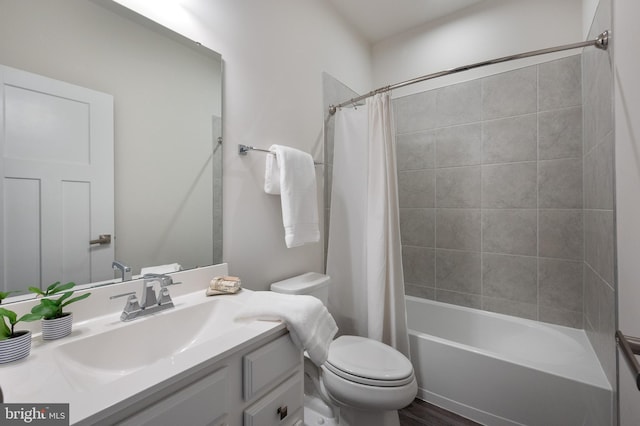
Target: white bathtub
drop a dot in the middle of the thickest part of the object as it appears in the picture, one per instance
(501, 370)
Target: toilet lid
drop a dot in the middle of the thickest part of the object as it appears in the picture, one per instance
(368, 361)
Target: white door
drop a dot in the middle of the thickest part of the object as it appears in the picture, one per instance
(627, 132)
(56, 187)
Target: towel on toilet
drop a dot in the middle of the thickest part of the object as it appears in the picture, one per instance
(310, 324)
(298, 194)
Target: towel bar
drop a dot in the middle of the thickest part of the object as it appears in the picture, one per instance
(630, 348)
(244, 149)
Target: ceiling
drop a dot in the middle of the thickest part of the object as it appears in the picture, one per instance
(379, 19)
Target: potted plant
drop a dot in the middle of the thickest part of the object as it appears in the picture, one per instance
(55, 322)
(14, 345)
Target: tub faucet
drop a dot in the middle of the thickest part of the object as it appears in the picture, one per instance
(124, 269)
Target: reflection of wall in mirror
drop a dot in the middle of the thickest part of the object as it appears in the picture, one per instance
(165, 97)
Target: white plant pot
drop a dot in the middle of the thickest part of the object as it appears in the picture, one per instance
(56, 328)
(15, 348)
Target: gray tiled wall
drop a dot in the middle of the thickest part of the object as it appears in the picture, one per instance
(491, 192)
(599, 227)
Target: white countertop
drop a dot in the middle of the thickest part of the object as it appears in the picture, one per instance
(43, 378)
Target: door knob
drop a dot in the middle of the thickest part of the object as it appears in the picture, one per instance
(102, 239)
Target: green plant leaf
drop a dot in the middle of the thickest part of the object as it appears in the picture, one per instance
(36, 290)
(45, 310)
(62, 298)
(58, 288)
(4, 294)
(49, 303)
(10, 315)
(5, 331)
(75, 299)
(49, 289)
(29, 317)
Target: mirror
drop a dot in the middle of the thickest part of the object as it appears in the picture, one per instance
(167, 111)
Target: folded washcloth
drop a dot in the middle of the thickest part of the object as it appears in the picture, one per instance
(161, 269)
(272, 175)
(224, 285)
(310, 324)
(298, 195)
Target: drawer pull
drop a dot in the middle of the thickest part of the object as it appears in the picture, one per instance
(282, 411)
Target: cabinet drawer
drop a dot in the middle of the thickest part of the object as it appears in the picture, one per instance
(283, 406)
(201, 403)
(265, 366)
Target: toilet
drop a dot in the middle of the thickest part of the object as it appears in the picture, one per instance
(363, 381)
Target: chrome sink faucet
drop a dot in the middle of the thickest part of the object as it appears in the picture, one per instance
(149, 301)
(124, 269)
(163, 298)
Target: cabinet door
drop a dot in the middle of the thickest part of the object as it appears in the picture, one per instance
(202, 403)
(282, 407)
(267, 366)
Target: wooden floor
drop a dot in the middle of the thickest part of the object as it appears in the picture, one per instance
(421, 413)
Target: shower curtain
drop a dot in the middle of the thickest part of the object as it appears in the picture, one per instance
(364, 252)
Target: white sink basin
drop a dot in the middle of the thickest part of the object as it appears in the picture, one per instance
(102, 358)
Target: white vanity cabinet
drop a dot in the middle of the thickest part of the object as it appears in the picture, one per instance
(259, 383)
(201, 403)
(264, 367)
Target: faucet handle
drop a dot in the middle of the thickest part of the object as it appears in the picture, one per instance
(165, 297)
(148, 293)
(163, 279)
(169, 282)
(132, 305)
(123, 294)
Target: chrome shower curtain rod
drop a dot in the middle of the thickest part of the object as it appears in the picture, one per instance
(601, 42)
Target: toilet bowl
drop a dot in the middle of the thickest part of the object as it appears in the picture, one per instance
(362, 382)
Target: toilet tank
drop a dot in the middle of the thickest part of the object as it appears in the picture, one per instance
(311, 283)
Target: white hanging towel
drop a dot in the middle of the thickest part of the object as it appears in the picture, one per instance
(298, 195)
(272, 175)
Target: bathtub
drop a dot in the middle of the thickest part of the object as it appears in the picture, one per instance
(501, 370)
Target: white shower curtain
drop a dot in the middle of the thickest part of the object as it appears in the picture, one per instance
(364, 253)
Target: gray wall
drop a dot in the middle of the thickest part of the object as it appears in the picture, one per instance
(490, 183)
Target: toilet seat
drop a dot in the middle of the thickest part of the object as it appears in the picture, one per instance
(364, 374)
(368, 362)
